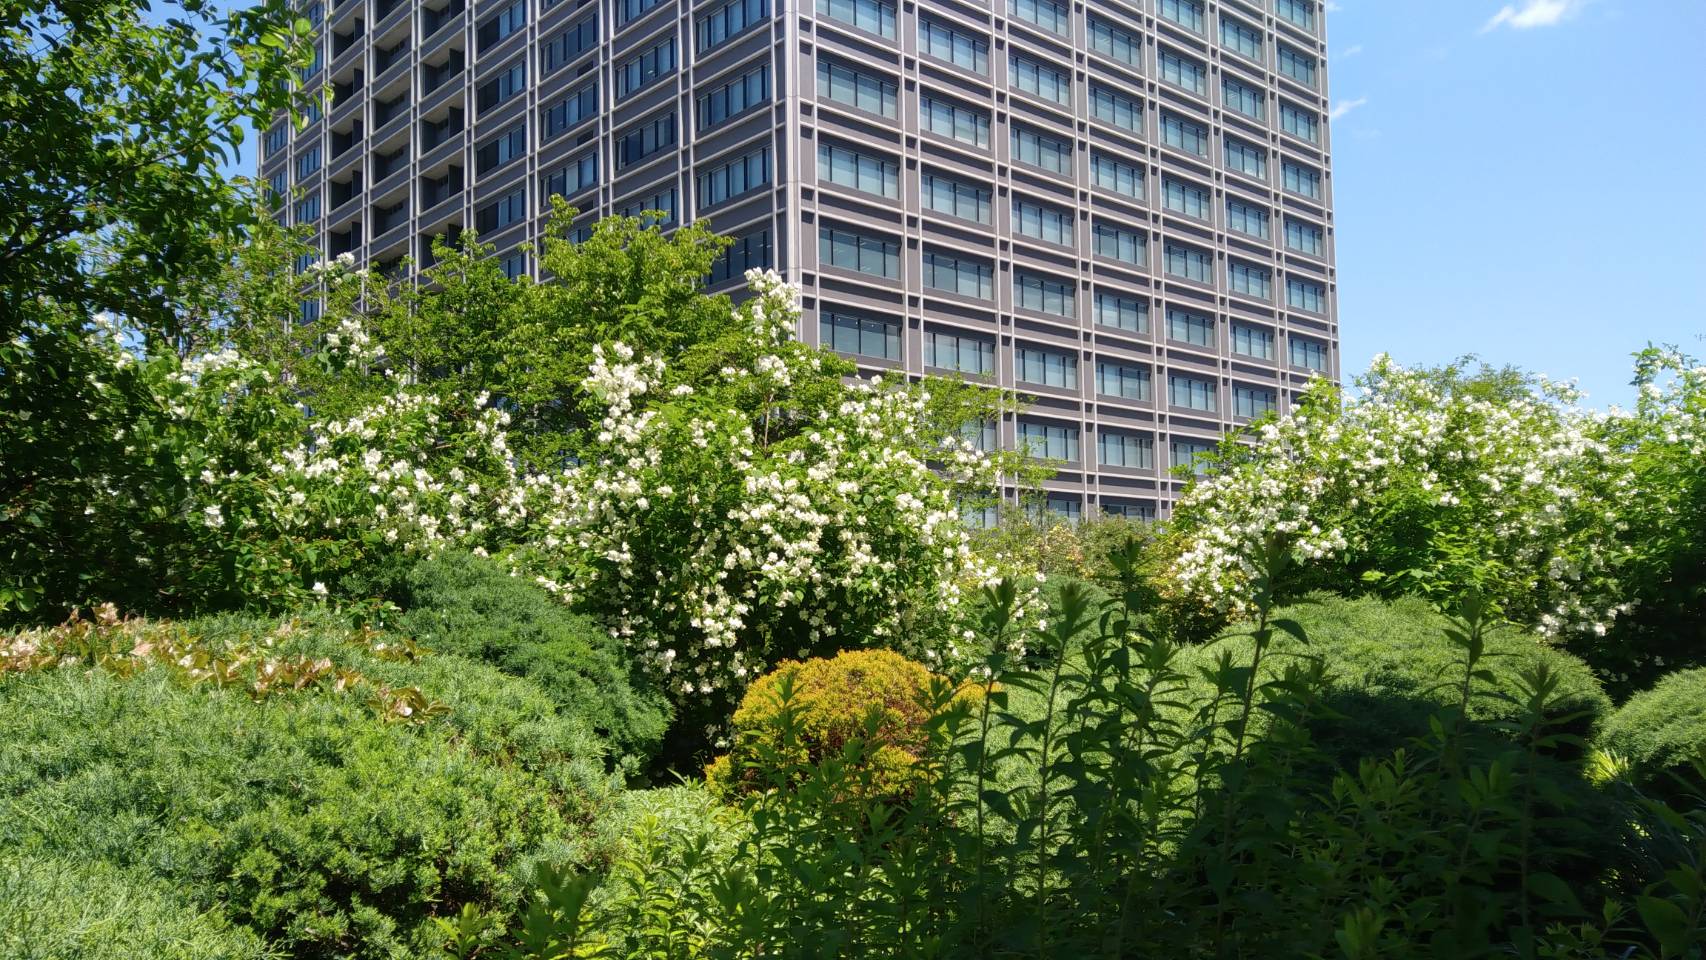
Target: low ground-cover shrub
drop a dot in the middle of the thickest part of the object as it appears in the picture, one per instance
(465, 605)
(1662, 731)
(327, 825)
(73, 909)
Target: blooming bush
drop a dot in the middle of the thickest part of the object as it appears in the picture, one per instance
(1428, 483)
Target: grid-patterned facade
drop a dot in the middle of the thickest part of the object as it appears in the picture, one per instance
(1121, 208)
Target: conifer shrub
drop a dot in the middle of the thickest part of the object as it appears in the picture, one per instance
(471, 607)
(805, 712)
(1662, 731)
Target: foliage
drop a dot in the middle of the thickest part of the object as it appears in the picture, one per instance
(1662, 731)
(330, 828)
(72, 909)
(460, 604)
(1435, 483)
(113, 127)
(1665, 575)
(1060, 549)
(1144, 829)
(877, 697)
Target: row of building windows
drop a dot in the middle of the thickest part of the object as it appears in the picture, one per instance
(974, 354)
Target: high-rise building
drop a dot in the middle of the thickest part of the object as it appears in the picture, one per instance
(1122, 208)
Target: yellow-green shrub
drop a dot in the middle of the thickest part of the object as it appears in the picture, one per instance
(806, 712)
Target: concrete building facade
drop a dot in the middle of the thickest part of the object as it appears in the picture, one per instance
(1120, 208)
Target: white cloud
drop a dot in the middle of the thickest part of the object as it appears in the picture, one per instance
(1350, 51)
(1333, 7)
(1345, 106)
(1533, 13)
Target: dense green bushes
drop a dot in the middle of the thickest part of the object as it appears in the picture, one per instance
(73, 909)
(471, 607)
(318, 817)
(1663, 730)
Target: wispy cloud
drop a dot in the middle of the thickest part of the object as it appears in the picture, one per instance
(1533, 13)
(1344, 107)
(1350, 51)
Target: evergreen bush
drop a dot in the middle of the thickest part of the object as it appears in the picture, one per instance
(1663, 730)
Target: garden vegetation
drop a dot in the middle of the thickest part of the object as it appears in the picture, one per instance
(480, 618)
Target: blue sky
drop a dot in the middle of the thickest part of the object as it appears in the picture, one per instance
(1524, 180)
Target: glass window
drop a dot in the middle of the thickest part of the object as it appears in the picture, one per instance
(1308, 354)
(1190, 393)
(982, 434)
(959, 352)
(862, 91)
(1242, 98)
(572, 110)
(1056, 508)
(748, 252)
(502, 212)
(1122, 380)
(961, 275)
(277, 137)
(514, 264)
(580, 173)
(1044, 295)
(505, 85)
(1304, 237)
(1247, 218)
(1246, 158)
(1048, 441)
(734, 178)
(721, 103)
(866, 336)
(1192, 328)
(1299, 12)
(1129, 511)
(1190, 263)
(1300, 123)
(1181, 196)
(1047, 368)
(1185, 13)
(1252, 342)
(1115, 108)
(568, 46)
(956, 121)
(1122, 178)
(1297, 65)
(278, 187)
(1122, 313)
(646, 140)
(1030, 76)
(1115, 449)
(1301, 294)
(1182, 134)
(310, 311)
(979, 516)
(956, 46)
(727, 20)
(872, 16)
(1181, 71)
(955, 199)
(307, 162)
(859, 171)
(1241, 38)
(1190, 454)
(644, 67)
(1252, 402)
(847, 250)
(1250, 280)
(1042, 223)
(308, 209)
(501, 149)
(1048, 14)
(1115, 43)
(1126, 246)
(1041, 150)
(506, 22)
(629, 9)
(1302, 180)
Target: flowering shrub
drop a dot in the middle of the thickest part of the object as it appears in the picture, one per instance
(1428, 483)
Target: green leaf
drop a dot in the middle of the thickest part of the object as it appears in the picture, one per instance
(1667, 922)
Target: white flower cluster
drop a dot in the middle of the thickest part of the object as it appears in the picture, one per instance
(1520, 492)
